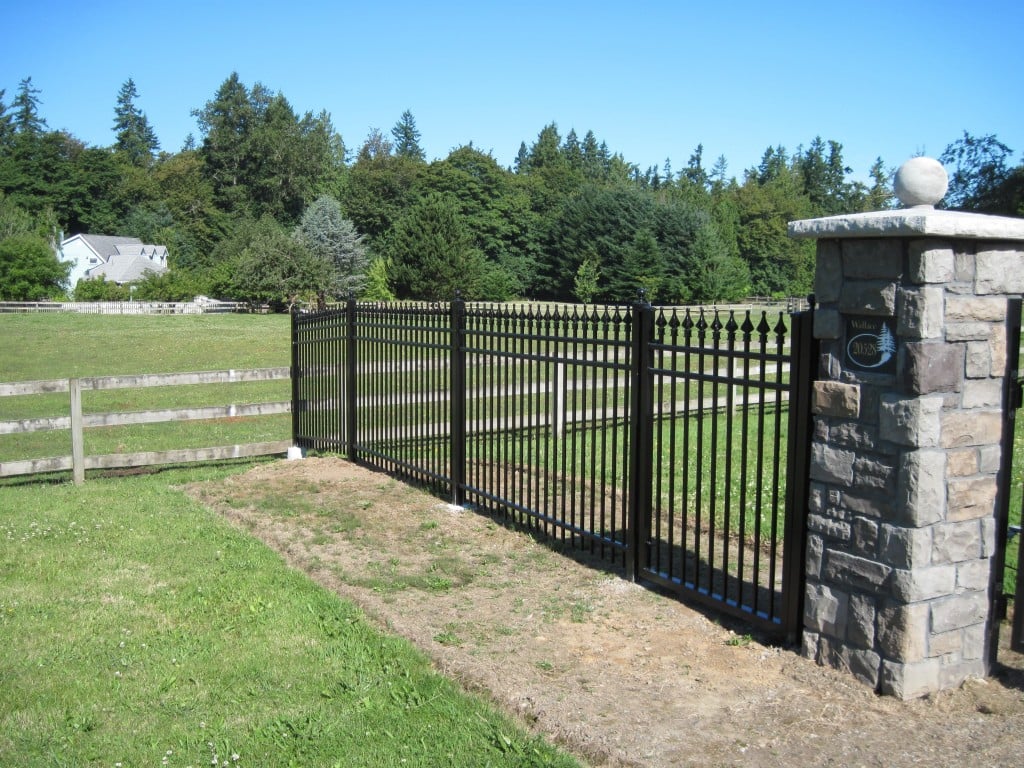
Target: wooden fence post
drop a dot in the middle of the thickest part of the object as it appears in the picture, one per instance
(77, 438)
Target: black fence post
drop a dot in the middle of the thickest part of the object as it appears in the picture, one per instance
(351, 395)
(641, 438)
(458, 400)
(297, 406)
(803, 361)
(998, 607)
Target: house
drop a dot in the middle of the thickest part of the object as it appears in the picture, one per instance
(118, 259)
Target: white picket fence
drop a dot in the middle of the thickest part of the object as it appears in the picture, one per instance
(200, 307)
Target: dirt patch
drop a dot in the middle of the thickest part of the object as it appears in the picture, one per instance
(619, 675)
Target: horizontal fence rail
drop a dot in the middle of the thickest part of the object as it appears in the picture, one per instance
(662, 441)
(78, 462)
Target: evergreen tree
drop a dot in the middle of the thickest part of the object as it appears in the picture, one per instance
(879, 196)
(495, 207)
(136, 140)
(676, 225)
(572, 150)
(823, 174)
(27, 121)
(283, 172)
(715, 275)
(546, 151)
(643, 269)
(189, 198)
(843, 194)
(6, 124)
(774, 163)
(779, 265)
(552, 179)
(378, 286)
(332, 238)
(602, 223)
(433, 253)
(695, 173)
(719, 174)
(87, 199)
(595, 157)
(226, 123)
(407, 138)
(260, 157)
(522, 158)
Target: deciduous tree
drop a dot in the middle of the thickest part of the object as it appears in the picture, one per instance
(779, 265)
(379, 187)
(270, 267)
(977, 166)
(588, 276)
(30, 270)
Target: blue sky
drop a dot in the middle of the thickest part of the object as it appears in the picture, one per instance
(651, 79)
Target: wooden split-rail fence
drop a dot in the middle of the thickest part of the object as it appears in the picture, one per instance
(77, 422)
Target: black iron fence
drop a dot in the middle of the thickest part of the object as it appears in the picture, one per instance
(670, 443)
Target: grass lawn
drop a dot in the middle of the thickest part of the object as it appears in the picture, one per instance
(140, 629)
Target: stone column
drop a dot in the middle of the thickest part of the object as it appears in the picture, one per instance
(908, 431)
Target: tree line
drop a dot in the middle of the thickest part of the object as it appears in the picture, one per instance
(270, 206)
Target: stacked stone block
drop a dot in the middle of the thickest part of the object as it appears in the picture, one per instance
(905, 464)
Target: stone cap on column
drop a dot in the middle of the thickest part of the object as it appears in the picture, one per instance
(919, 184)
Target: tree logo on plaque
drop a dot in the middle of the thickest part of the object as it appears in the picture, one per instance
(871, 345)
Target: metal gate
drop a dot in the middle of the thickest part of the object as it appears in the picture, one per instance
(728, 404)
(670, 443)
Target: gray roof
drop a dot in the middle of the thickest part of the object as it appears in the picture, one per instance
(106, 245)
(143, 249)
(126, 268)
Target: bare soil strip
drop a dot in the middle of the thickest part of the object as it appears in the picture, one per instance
(617, 674)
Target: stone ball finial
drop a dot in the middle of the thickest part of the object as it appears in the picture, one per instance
(921, 182)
